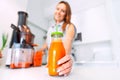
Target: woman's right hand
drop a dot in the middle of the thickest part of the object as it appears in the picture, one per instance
(65, 65)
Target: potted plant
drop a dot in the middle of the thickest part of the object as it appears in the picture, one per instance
(4, 41)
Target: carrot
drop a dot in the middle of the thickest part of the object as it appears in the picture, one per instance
(20, 65)
(12, 65)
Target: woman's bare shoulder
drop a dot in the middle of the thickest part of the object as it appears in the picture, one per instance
(71, 26)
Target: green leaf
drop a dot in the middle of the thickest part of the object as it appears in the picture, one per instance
(4, 40)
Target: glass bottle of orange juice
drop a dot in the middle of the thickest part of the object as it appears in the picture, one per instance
(56, 52)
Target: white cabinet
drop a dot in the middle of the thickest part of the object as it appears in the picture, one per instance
(97, 51)
(83, 53)
(93, 24)
(95, 27)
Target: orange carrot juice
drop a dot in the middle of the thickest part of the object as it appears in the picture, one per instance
(56, 52)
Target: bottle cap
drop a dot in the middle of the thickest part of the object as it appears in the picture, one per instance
(60, 34)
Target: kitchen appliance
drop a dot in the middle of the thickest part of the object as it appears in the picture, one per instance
(21, 45)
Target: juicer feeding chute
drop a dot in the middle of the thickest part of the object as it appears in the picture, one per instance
(22, 33)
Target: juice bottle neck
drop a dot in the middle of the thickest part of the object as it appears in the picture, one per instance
(56, 39)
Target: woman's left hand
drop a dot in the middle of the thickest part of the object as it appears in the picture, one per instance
(65, 65)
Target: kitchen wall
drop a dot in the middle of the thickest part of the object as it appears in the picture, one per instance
(36, 12)
(115, 12)
(36, 21)
(8, 15)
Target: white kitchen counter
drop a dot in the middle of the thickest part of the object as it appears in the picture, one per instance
(79, 72)
(33, 73)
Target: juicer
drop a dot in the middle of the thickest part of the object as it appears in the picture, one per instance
(21, 47)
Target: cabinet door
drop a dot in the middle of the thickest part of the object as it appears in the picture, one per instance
(83, 53)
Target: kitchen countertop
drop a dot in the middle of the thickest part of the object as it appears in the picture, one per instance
(79, 72)
(32, 73)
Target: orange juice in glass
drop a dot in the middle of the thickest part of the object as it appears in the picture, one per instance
(37, 59)
(56, 52)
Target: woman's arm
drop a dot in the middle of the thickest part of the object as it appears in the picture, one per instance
(70, 32)
(66, 62)
(44, 47)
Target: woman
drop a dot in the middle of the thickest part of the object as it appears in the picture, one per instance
(62, 17)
